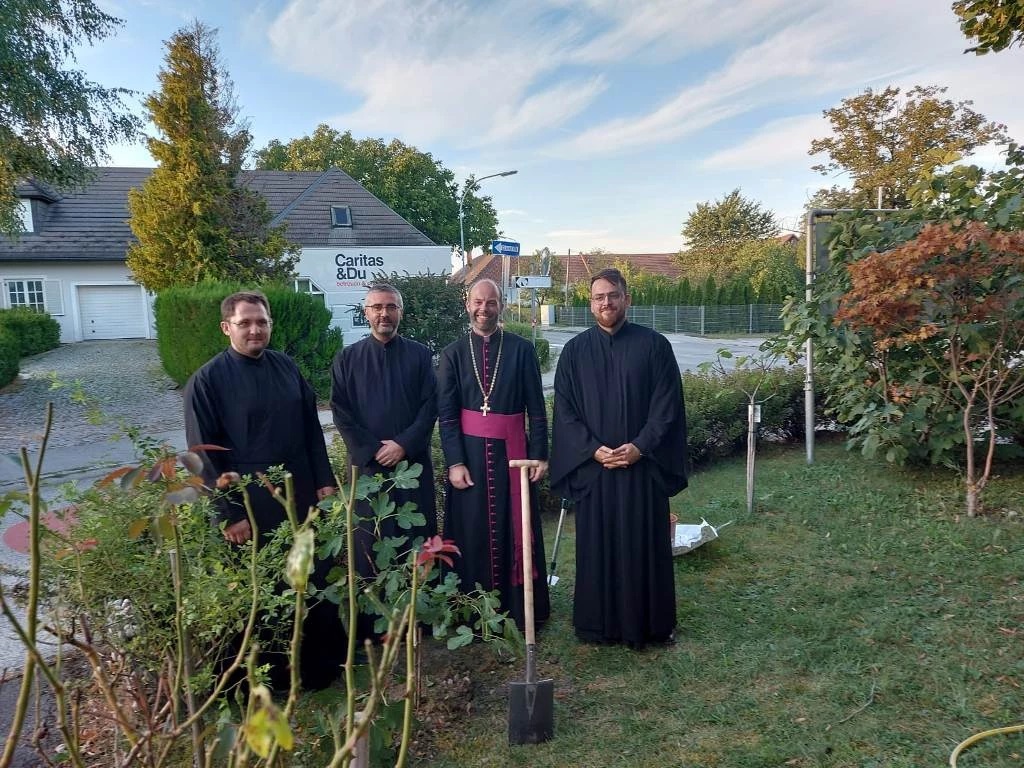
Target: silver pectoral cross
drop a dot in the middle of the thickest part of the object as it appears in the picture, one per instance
(485, 407)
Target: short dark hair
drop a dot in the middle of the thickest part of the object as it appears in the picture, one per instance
(385, 288)
(613, 276)
(227, 307)
(475, 283)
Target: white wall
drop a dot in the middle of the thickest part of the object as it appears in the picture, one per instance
(68, 276)
(343, 274)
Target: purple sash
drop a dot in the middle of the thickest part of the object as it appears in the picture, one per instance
(512, 429)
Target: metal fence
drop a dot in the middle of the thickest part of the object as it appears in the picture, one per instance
(701, 321)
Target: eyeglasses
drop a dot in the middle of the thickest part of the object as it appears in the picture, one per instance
(378, 308)
(245, 325)
(597, 298)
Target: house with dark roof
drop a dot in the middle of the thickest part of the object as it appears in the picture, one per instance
(70, 260)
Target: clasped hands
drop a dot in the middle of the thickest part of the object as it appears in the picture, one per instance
(389, 453)
(458, 475)
(617, 458)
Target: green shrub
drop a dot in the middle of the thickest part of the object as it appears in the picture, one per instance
(434, 310)
(302, 330)
(716, 410)
(34, 332)
(542, 346)
(189, 334)
(9, 355)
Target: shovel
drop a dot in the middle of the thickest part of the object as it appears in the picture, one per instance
(552, 579)
(531, 717)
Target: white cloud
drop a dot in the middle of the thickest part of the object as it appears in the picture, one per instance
(777, 144)
(437, 70)
(563, 234)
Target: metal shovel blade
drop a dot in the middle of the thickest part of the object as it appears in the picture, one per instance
(531, 712)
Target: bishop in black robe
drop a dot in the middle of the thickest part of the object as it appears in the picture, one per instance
(264, 413)
(481, 519)
(386, 390)
(612, 389)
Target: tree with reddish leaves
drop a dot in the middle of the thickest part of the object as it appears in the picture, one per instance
(953, 297)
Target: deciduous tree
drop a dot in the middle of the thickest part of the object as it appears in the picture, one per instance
(888, 397)
(715, 231)
(413, 183)
(954, 297)
(881, 140)
(993, 24)
(192, 217)
(55, 124)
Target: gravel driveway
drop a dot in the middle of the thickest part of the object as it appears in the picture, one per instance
(123, 382)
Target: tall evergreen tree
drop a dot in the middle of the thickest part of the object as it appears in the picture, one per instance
(193, 218)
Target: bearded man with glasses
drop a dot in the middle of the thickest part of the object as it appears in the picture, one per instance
(383, 395)
(619, 452)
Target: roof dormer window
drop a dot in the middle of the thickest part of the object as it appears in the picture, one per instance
(341, 216)
(25, 215)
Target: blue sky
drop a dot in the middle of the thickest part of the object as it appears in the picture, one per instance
(619, 115)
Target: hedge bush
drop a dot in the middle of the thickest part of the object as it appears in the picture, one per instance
(541, 346)
(434, 310)
(34, 332)
(9, 356)
(188, 330)
(716, 410)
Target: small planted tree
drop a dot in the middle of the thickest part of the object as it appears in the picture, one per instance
(954, 298)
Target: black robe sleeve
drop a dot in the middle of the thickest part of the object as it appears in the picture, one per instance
(573, 444)
(449, 406)
(203, 426)
(536, 408)
(316, 448)
(417, 435)
(663, 436)
(362, 444)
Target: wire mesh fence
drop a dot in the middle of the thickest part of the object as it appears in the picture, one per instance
(697, 320)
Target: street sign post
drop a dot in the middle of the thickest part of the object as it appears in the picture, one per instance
(533, 281)
(505, 247)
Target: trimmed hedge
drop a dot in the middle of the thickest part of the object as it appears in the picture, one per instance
(34, 332)
(9, 356)
(542, 346)
(716, 410)
(189, 334)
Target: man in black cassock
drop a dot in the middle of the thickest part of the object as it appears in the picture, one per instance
(490, 410)
(619, 452)
(253, 401)
(384, 399)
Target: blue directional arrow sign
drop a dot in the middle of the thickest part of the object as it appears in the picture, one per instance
(505, 247)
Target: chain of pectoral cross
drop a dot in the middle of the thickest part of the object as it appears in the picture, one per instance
(485, 408)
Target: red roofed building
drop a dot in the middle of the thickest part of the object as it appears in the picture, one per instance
(581, 266)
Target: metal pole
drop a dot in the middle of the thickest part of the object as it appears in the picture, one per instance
(533, 314)
(462, 234)
(462, 199)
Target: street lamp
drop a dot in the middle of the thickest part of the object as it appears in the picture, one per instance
(462, 199)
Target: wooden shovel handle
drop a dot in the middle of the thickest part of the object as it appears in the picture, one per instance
(524, 495)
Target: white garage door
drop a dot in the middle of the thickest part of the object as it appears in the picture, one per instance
(112, 312)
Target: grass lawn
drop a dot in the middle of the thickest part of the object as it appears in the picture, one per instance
(856, 619)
